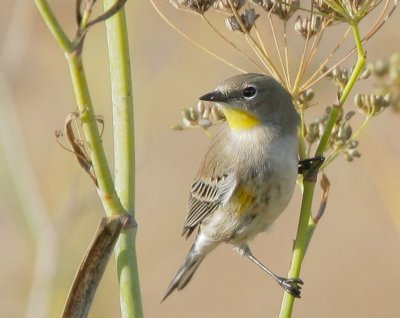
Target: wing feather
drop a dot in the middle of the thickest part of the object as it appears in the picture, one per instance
(206, 195)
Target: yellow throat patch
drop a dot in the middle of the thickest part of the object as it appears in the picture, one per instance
(239, 119)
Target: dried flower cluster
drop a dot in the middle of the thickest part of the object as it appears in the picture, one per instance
(308, 27)
(247, 17)
(204, 116)
(199, 6)
(372, 104)
(283, 9)
(341, 137)
(350, 10)
(387, 73)
(310, 22)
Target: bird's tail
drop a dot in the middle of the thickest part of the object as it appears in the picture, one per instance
(189, 266)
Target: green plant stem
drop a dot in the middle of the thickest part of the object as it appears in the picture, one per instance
(53, 25)
(124, 159)
(106, 190)
(304, 233)
(299, 246)
(345, 93)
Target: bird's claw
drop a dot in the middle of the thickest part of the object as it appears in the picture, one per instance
(291, 285)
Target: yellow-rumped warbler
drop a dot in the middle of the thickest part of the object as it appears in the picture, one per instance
(248, 175)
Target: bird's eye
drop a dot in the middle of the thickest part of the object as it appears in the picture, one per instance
(249, 92)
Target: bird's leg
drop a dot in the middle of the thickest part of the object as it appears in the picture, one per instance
(291, 285)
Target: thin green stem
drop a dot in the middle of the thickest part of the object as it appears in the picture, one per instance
(106, 190)
(299, 246)
(357, 69)
(304, 232)
(345, 93)
(124, 159)
(53, 25)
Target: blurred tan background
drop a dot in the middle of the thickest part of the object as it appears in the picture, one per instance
(352, 266)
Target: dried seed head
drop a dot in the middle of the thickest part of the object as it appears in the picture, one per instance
(216, 114)
(353, 144)
(339, 76)
(351, 11)
(344, 132)
(350, 154)
(248, 18)
(199, 6)
(365, 74)
(204, 122)
(283, 9)
(308, 27)
(372, 104)
(328, 75)
(306, 96)
(200, 107)
(349, 115)
(312, 132)
(388, 76)
(380, 67)
(267, 5)
(203, 115)
(322, 7)
(223, 5)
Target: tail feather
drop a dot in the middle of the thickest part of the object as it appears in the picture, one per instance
(184, 274)
(200, 248)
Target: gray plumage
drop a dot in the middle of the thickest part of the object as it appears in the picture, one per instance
(247, 177)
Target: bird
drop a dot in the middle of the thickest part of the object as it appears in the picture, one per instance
(247, 176)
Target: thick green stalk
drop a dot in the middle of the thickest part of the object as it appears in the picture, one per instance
(306, 228)
(124, 154)
(124, 159)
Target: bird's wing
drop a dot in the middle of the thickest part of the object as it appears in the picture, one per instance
(206, 195)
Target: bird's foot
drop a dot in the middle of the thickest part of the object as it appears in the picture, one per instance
(291, 285)
(306, 164)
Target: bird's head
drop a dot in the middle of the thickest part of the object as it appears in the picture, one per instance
(251, 100)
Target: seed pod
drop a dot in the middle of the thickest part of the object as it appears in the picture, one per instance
(223, 5)
(365, 74)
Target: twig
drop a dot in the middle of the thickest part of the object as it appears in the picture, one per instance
(230, 43)
(187, 37)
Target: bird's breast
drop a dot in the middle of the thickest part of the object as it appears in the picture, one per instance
(266, 181)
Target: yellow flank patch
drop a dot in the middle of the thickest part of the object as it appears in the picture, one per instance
(244, 199)
(239, 119)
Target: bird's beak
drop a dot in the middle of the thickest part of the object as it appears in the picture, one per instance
(216, 96)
